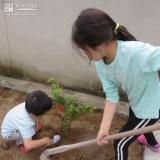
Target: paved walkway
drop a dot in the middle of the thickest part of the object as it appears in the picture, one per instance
(27, 86)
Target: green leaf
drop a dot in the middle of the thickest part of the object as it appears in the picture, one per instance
(72, 108)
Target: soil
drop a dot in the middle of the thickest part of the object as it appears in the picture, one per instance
(84, 128)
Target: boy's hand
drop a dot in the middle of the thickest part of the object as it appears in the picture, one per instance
(37, 125)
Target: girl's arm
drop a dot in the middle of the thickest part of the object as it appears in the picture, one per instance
(108, 114)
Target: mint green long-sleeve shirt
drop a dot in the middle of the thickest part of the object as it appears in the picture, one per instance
(134, 69)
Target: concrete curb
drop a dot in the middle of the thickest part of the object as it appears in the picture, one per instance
(28, 86)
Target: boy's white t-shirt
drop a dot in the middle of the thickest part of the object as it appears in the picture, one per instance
(18, 119)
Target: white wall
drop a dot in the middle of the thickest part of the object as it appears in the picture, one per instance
(38, 47)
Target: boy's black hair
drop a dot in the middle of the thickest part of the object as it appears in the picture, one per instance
(37, 103)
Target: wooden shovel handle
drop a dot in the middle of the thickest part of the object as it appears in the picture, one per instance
(133, 132)
(119, 135)
(108, 138)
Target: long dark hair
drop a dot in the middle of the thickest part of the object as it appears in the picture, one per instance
(94, 27)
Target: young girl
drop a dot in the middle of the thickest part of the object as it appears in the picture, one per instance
(121, 61)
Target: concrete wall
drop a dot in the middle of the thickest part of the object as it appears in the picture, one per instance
(36, 45)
